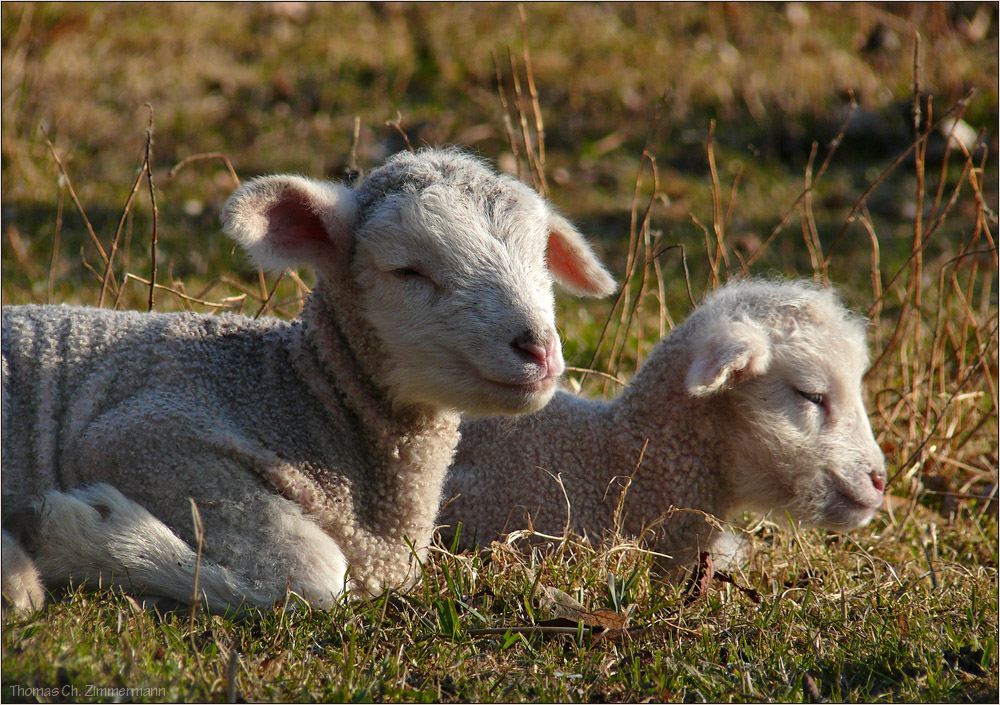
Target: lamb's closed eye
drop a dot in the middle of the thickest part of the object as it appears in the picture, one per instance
(811, 397)
(410, 273)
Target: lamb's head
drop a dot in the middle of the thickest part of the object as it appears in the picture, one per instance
(785, 362)
(451, 264)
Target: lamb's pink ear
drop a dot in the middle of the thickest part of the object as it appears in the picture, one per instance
(727, 354)
(572, 262)
(285, 221)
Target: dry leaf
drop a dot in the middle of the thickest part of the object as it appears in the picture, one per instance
(704, 574)
(811, 689)
(701, 578)
(565, 607)
(271, 666)
(748, 591)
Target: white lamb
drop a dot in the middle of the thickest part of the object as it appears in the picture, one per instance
(754, 403)
(314, 450)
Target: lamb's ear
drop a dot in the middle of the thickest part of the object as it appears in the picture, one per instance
(285, 221)
(573, 263)
(727, 354)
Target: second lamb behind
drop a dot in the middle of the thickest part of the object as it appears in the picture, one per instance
(754, 403)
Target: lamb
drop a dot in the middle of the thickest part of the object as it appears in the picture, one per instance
(754, 403)
(151, 451)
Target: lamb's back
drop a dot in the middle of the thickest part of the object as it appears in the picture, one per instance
(151, 381)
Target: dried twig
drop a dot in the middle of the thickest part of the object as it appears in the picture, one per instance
(270, 295)
(200, 157)
(181, 295)
(156, 213)
(590, 371)
(76, 200)
(121, 225)
(56, 239)
(352, 163)
(718, 222)
(396, 124)
(505, 110)
(533, 92)
(537, 170)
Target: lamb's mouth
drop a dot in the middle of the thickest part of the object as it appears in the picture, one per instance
(538, 386)
(852, 498)
(853, 504)
(522, 397)
(849, 511)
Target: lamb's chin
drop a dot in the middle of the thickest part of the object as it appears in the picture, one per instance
(846, 513)
(513, 397)
(479, 396)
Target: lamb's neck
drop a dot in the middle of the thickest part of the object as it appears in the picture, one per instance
(340, 357)
(674, 434)
(406, 450)
(344, 362)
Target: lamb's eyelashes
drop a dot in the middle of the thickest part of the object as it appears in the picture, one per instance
(415, 278)
(814, 398)
(412, 274)
(817, 406)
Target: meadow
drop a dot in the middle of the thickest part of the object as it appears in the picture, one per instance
(854, 144)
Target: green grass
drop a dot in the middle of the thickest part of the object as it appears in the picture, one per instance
(863, 624)
(903, 610)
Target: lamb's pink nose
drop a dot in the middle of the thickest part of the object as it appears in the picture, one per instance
(878, 480)
(543, 354)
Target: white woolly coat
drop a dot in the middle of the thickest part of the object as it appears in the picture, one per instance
(649, 449)
(144, 401)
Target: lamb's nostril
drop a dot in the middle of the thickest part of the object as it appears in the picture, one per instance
(531, 344)
(878, 480)
(535, 350)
